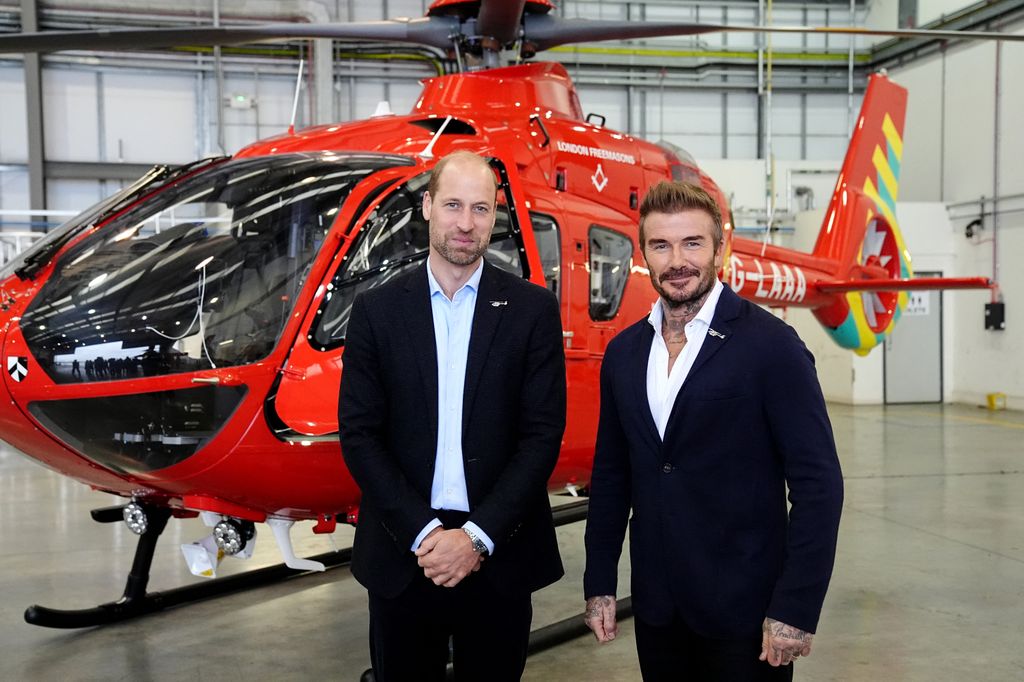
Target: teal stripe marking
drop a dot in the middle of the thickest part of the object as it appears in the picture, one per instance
(894, 161)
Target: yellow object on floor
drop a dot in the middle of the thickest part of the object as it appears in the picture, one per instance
(996, 401)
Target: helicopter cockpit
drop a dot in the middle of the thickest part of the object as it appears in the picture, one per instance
(202, 275)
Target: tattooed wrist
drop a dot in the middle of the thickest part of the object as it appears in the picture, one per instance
(595, 605)
(779, 629)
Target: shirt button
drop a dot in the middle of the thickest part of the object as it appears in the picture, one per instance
(667, 468)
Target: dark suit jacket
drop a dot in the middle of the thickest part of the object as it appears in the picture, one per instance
(513, 418)
(710, 538)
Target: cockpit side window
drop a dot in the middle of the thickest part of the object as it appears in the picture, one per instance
(395, 239)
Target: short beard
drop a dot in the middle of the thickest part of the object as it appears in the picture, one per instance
(454, 256)
(691, 303)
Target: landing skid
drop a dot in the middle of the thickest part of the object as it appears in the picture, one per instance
(136, 601)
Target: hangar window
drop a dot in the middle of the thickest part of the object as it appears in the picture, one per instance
(611, 254)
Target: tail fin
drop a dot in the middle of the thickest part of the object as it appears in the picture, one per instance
(860, 234)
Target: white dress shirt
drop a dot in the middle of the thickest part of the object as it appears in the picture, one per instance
(663, 386)
(453, 323)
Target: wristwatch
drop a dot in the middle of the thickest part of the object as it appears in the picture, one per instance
(478, 545)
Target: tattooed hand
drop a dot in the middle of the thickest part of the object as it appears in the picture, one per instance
(781, 644)
(600, 617)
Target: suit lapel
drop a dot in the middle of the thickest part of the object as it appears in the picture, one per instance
(638, 370)
(727, 309)
(486, 317)
(419, 325)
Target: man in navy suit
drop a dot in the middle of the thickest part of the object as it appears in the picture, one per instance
(451, 414)
(710, 409)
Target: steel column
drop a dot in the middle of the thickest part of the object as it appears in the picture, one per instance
(34, 111)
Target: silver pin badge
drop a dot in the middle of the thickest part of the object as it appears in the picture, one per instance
(712, 332)
(495, 304)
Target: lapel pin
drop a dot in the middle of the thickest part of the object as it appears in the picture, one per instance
(495, 304)
(712, 332)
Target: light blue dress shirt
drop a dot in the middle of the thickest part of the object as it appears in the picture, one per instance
(453, 323)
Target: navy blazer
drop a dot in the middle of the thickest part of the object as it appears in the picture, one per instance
(513, 417)
(710, 536)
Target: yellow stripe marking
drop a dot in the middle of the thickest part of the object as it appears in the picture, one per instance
(885, 173)
(872, 193)
(891, 134)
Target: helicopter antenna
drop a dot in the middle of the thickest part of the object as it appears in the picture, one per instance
(428, 151)
(295, 102)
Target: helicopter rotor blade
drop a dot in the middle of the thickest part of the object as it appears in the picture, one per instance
(435, 31)
(545, 31)
(499, 19)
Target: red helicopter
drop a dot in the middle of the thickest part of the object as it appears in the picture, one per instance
(181, 343)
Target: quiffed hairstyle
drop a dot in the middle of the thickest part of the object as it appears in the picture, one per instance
(676, 197)
(435, 174)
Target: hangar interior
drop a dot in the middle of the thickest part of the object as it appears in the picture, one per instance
(931, 562)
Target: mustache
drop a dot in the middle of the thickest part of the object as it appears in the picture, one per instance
(678, 272)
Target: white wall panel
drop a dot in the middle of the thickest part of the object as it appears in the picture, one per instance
(742, 146)
(274, 97)
(589, 9)
(922, 135)
(1011, 129)
(699, 146)
(149, 117)
(610, 102)
(684, 112)
(786, 113)
(70, 126)
(13, 128)
(828, 114)
(970, 100)
(404, 95)
(741, 110)
(73, 195)
(786, 146)
(826, 148)
(14, 190)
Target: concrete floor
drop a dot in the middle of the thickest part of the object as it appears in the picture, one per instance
(929, 581)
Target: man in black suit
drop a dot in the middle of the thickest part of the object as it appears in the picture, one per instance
(451, 414)
(710, 409)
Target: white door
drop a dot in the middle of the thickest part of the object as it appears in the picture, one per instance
(913, 352)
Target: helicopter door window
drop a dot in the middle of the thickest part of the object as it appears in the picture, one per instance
(202, 275)
(545, 232)
(396, 239)
(611, 255)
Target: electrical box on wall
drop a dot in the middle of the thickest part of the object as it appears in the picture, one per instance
(995, 316)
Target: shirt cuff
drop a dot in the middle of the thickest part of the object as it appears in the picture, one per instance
(424, 533)
(477, 531)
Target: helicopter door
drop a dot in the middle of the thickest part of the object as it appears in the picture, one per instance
(392, 240)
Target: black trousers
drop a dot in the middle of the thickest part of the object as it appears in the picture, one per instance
(676, 653)
(489, 630)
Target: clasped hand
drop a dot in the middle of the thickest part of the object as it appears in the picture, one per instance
(600, 617)
(447, 556)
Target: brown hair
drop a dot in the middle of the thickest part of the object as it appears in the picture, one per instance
(676, 197)
(435, 174)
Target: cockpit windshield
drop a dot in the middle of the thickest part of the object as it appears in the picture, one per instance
(203, 275)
